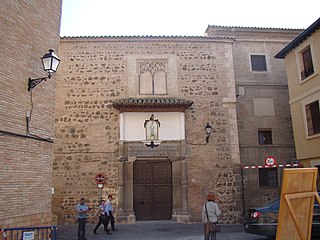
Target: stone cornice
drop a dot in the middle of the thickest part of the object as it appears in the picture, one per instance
(152, 104)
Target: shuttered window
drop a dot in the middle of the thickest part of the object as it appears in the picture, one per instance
(313, 118)
(307, 63)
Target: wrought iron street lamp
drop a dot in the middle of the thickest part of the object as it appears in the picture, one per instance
(50, 62)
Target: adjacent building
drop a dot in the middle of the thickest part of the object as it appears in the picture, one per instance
(28, 29)
(263, 113)
(303, 65)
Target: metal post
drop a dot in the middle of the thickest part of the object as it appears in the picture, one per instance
(100, 194)
(242, 181)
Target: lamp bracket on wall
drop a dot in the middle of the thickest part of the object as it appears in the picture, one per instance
(34, 82)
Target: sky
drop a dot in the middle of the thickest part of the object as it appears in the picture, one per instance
(180, 17)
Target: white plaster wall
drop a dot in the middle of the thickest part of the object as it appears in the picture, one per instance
(172, 125)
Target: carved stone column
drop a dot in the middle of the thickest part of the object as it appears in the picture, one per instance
(183, 215)
(121, 185)
(184, 185)
(128, 201)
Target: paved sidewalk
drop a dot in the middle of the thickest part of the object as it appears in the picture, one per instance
(156, 230)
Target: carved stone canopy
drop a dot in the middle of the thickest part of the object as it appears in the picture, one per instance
(152, 128)
(152, 104)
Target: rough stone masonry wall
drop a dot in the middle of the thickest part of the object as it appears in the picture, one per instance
(28, 30)
(86, 125)
(94, 73)
(213, 166)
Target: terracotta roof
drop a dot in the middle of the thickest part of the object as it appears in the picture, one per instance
(152, 104)
(255, 28)
(148, 38)
(299, 39)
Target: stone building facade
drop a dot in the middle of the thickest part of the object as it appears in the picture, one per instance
(263, 112)
(26, 152)
(108, 88)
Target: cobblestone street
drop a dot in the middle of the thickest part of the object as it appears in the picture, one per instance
(157, 230)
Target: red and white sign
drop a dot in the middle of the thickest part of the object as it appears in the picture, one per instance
(270, 161)
(100, 178)
(280, 166)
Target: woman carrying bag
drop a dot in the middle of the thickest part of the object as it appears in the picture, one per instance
(210, 213)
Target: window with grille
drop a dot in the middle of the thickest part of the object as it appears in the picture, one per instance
(307, 69)
(258, 63)
(268, 177)
(313, 118)
(265, 137)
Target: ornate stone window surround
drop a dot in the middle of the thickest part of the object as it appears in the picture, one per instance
(164, 63)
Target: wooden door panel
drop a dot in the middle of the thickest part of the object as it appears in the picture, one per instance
(152, 190)
(142, 202)
(163, 202)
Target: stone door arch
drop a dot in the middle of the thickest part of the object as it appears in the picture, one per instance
(126, 207)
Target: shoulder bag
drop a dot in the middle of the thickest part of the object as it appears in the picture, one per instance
(212, 226)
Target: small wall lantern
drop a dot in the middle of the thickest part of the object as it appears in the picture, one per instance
(50, 62)
(208, 129)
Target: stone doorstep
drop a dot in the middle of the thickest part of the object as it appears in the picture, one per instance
(181, 218)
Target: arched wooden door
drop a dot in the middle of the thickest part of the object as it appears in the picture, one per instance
(152, 196)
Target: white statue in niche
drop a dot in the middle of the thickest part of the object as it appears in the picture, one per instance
(152, 128)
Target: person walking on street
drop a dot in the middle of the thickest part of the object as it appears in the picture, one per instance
(102, 217)
(110, 211)
(82, 210)
(210, 212)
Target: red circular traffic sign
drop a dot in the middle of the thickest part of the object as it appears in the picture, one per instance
(100, 178)
(270, 161)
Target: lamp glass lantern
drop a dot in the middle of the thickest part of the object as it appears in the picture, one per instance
(208, 129)
(50, 62)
